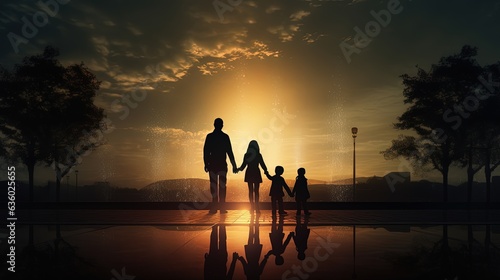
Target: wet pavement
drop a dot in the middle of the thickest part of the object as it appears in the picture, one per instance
(236, 217)
(193, 244)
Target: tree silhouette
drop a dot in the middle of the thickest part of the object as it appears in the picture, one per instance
(488, 130)
(48, 114)
(436, 113)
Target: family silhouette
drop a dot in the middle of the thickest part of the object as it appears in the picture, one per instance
(215, 266)
(276, 192)
(252, 266)
(300, 238)
(253, 263)
(276, 237)
(251, 160)
(218, 147)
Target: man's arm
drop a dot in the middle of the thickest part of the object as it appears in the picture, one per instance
(206, 152)
(229, 151)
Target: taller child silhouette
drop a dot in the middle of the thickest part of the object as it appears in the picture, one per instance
(217, 145)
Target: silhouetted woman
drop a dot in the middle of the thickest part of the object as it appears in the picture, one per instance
(252, 160)
(251, 266)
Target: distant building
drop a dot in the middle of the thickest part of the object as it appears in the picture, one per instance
(495, 181)
(102, 184)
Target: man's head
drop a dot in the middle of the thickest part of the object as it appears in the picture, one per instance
(218, 124)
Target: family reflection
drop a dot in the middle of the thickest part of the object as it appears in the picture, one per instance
(252, 266)
(254, 260)
(216, 258)
(300, 238)
(276, 237)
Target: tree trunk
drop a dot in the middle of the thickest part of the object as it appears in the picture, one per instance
(487, 174)
(470, 177)
(58, 183)
(30, 164)
(446, 168)
(31, 171)
(445, 184)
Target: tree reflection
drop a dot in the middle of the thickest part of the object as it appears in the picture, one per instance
(466, 260)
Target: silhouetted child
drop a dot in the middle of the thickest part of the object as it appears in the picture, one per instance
(252, 160)
(278, 246)
(276, 191)
(300, 238)
(301, 192)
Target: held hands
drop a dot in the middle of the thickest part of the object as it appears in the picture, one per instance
(235, 255)
(235, 170)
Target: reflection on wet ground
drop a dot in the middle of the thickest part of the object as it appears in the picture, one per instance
(262, 248)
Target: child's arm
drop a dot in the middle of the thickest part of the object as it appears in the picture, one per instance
(287, 188)
(263, 165)
(243, 261)
(230, 273)
(243, 164)
(268, 176)
(290, 235)
(263, 263)
(294, 188)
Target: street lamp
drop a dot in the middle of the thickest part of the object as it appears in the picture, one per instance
(354, 131)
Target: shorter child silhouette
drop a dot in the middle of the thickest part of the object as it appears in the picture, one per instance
(276, 192)
(300, 238)
(276, 237)
(301, 192)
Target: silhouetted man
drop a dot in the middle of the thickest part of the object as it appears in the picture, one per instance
(216, 259)
(217, 145)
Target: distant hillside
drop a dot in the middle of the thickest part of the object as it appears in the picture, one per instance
(348, 181)
(177, 183)
(191, 189)
(198, 190)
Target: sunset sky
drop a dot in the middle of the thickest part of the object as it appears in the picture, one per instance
(273, 70)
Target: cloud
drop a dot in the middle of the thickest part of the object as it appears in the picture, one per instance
(299, 15)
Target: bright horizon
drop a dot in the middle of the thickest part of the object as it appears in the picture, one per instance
(275, 72)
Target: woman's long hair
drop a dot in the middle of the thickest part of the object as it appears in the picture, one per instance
(252, 151)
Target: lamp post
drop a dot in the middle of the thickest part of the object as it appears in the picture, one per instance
(354, 276)
(76, 185)
(354, 131)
